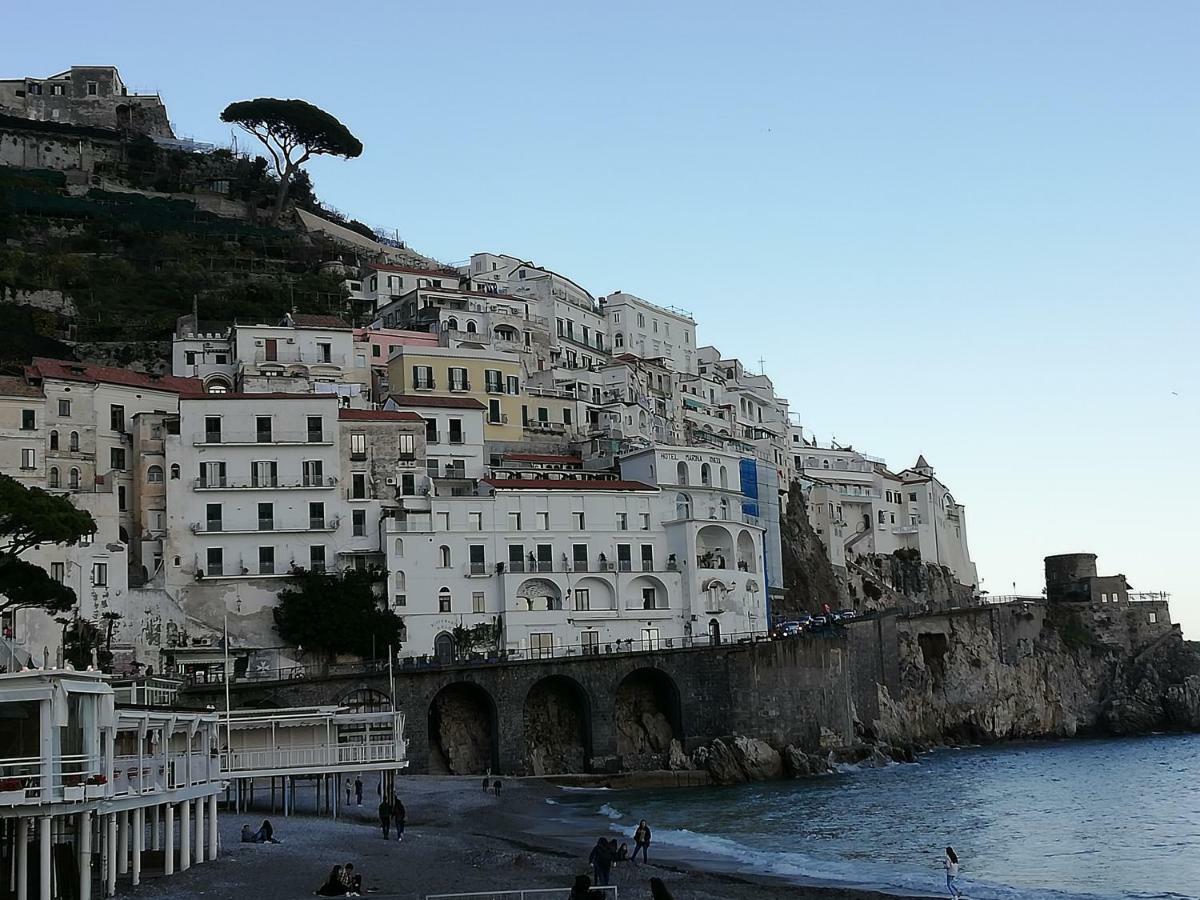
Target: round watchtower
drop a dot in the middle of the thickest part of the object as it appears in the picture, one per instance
(1066, 572)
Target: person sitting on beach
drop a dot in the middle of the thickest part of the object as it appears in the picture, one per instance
(265, 833)
(248, 836)
(601, 862)
(658, 890)
(350, 881)
(333, 886)
(641, 841)
(622, 853)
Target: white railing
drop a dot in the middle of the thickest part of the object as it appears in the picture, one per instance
(30, 780)
(306, 757)
(609, 892)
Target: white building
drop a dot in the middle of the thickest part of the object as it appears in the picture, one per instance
(649, 331)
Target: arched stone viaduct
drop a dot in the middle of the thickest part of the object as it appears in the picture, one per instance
(591, 713)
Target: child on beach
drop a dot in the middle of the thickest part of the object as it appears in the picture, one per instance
(950, 864)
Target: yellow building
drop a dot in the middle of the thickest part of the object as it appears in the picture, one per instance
(491, 377)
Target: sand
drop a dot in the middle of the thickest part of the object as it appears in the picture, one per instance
(458, 839)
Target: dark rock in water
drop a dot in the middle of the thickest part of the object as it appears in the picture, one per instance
(799, 764)
(737, 759)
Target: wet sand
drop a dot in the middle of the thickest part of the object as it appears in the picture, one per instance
(458, 839)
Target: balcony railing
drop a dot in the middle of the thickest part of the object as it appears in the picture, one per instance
(251, 438)
(254, 484)
(234, 760)
(296, 356)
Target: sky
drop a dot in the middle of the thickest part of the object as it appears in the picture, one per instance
(960, 229)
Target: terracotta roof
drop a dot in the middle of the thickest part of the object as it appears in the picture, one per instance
(14, 386)
(68, 370)
(377, 415)
(265, 395)
(544, 458)
(567, 484)
(436, 402)
(309, 320)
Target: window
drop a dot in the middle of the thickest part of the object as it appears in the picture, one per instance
(514, 521)
(543, 521)
(189, 357)
(358, 486)
(443, 520)
(577, 520)
(444, 600)
(591, 643)
(316, 430)
(264, 473)
(494, 415)
(622, 521)
(375, 350)
(647, 558)
(57, 571)
(423, 378)
(100, 574)
(213, 517)
(475, 520)
(53, 478)
(116, 417)
(325, 351)
(316, 515)
(618, 340)
(316, 557)
(408, 485)
(444, 558)
(624, 559)
(116, 457)
(85, 540)
(478, 565)
(512, 385)
(122, 504)
(1153, 618)
(212, 429)
(1104, 598)
(358, 522)
(641, 321)
(477, 602)
(645, 521)
(406, 444)
(458, 379)
(154, 475)
(73, 442)
(431, 431)
(649, 598)
(583, 599)
(541, 645)
(216, 564)
(28, 458)
(493, 381)
(53, 440)
(313, 474)
(566, 416)
(266, 517)
(616, 317)
(212, 474)
(28, 419)
(882, 517)
(73, 480)
(93, 88)
(266, 560)
(912, 496)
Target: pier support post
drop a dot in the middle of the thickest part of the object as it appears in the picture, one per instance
(155, 844)
(185, 835)
(123, 842)
(169, 840)
(44, 826)
(85, 855)
(139, 832)
(201, 834)
(213, 833)
(22, 858)
(110, 850)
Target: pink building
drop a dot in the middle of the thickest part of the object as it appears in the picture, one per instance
(383, 342)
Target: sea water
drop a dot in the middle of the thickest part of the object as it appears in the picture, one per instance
(1071, 819)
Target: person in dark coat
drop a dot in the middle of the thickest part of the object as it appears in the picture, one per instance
(658, 890)
(601, 862)
(358, 790)
(385, 818)
(399, 814)
(641, 841)
(333, 887)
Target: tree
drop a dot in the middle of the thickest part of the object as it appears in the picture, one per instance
(29, 517)
(337, 613)
(293, 131)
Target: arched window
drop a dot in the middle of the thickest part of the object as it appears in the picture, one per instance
(725, 508)
(399, 547)
(174, 471)
(53, 477)
(824, 464)
(724, 477)
(452, 324)
(154, 475)
(681, 473)
(444, 556)
(73, 442)
(706, 474)
(73, 480)
(54, 440)
(444, 600)
(618, 340)
(471, 329)
(683, 506)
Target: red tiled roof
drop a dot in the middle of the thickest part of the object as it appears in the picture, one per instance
(265, 395)
(567, 484)
(436, 402)
(68, 370)
(377, 415)
(544, 458)
(309, 320)
(14, 386)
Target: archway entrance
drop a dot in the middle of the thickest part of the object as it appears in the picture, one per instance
(462, 731)
(647, 712)
(714, 632)
(557, 727)
(443, 648)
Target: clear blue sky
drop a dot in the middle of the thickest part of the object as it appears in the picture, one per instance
(964, 229)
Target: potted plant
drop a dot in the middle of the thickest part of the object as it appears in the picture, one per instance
(73, 786)
(12, 791)
(94, 786)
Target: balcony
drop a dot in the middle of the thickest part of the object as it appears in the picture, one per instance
(420, 523)
(293, 356)
(329, 524)
(554, 427)
(906, 529)
(251, 484)
(455, 473)
(251, 439)
(477, 568)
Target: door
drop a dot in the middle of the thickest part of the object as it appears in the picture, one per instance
(271, 349)
(714, 632)
(443, 648)
(649, 638)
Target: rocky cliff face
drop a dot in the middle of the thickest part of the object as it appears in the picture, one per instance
(1159, 690)
(809, 577)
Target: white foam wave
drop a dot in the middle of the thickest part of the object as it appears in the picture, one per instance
(611, 812)
(551, 801)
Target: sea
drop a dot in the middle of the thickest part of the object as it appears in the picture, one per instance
(1073, 820)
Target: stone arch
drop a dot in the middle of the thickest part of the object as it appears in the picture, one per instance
(746, 556)
(506, 333)
(472, 328)
(443, 648)
(714, 543)
(600, 592)
(681, 473)
(648, 717)
(366, 700)
(217, 384)
(451, 324)
(557, 720)
(463, 738)
(539, 593)
(637, 598)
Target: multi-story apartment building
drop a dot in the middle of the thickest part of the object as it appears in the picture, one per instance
(85, 95)
(254, 491)
(378, 344)
(649, 331)
(381, 284)
(454, 438)
(493, 379)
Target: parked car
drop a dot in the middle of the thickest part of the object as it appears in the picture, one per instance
(844, 614)
(787, 629)
(819, 621)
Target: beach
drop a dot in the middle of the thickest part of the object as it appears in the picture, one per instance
(458, 839)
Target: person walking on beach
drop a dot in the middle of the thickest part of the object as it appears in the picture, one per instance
(385, 818)
(399, 814)
(358, 789)
(496, 787)
(601, 862)
(950, 864)
(347, 792)
(641, 841)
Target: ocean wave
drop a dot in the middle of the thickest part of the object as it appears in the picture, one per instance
(611, 812)
(552, 801)
(582, 790)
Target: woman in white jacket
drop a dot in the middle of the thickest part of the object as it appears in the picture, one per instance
(950, 864)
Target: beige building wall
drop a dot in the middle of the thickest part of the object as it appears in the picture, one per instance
(502, 420)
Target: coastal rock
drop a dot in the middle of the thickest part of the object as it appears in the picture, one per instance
(799, 764)
(721, 762)
(738, 759)
(677, 760)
